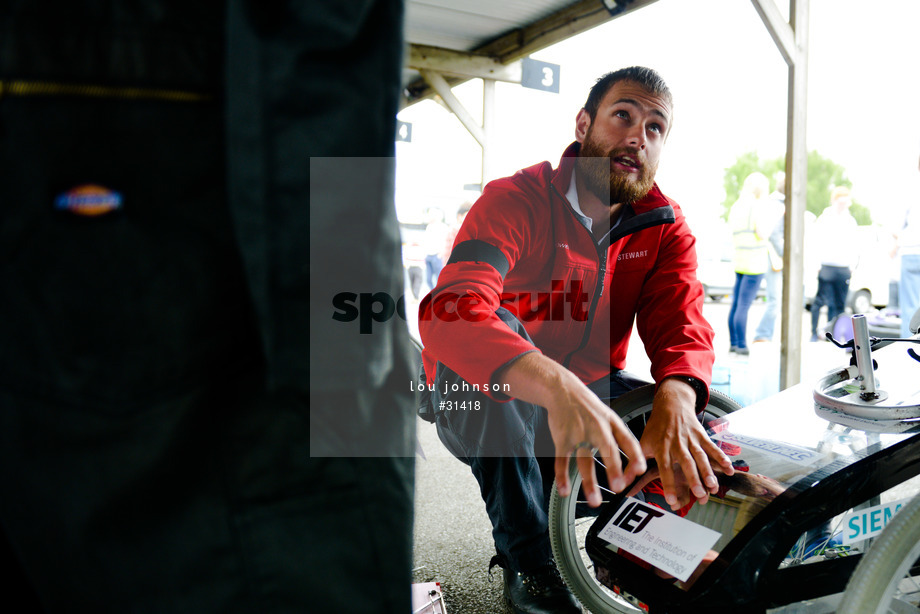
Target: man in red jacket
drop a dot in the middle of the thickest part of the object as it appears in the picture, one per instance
(528, 327)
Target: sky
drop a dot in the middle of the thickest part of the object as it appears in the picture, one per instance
(729, 83)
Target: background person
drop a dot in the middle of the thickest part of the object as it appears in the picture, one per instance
(835, 242)
(908, 247)
(597, 239)
(413, 255)
(773, 278)
(751, 220)
(454, 229)
(433, 241)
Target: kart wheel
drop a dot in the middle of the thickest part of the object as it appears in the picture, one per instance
(887, 578)
(567, 531)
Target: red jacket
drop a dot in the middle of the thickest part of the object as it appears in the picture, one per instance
(522, 246)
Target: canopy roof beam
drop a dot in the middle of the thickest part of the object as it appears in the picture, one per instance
(521, 42)
(782, 33)
(440, 85)
(461, 64)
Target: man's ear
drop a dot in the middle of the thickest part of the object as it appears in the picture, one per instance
(582, 123)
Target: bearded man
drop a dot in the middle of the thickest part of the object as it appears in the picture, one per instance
(527, 330)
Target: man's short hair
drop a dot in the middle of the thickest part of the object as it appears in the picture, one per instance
(646, 77)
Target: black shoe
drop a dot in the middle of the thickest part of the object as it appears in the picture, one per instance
(539, 592)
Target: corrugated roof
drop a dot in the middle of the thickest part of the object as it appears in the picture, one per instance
(502, 30)
(464, 25)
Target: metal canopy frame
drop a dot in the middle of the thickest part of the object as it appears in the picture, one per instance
(441, 69)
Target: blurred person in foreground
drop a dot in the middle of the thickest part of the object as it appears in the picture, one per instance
(834, 234)
(179, 420)
(531, 319)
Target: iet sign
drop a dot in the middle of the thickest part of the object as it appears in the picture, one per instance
(635, 517)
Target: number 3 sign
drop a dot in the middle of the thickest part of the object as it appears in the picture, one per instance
(540, 75)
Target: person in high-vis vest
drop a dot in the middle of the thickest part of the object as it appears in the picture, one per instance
(750, 233)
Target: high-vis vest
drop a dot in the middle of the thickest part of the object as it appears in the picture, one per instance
(751, 256)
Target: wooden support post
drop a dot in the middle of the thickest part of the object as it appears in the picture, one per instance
(441, 86)
(792, 41)
(488, 124)
(796, 196)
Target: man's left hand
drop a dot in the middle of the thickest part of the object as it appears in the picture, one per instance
(679, 443)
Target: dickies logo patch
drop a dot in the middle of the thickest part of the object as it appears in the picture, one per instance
(88, 200)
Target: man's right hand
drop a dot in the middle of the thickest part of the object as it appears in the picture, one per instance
(579, 423)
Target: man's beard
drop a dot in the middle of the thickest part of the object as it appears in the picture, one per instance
(609, 185)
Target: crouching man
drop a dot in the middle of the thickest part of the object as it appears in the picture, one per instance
(536, 305)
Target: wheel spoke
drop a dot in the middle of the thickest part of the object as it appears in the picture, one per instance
(916, 586)
(909, 593)
(901, 607)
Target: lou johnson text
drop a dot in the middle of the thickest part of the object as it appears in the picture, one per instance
(460, 386)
